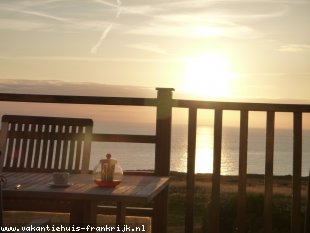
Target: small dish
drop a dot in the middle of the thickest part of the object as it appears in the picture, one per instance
(60, 185)
(112, 184)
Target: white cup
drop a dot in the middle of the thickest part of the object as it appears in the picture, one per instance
(61, 178)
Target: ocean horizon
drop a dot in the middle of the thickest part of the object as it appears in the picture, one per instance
(141, 156)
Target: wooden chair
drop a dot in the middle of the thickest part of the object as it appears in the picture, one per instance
(307, 215)
(42, 222)
(45, 144)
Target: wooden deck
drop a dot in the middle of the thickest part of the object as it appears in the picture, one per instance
(164, 103)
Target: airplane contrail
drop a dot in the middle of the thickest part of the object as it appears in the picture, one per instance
(104, 34)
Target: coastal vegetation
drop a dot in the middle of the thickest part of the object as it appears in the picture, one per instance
(281, 203)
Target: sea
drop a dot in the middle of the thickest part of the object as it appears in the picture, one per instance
(141, 156)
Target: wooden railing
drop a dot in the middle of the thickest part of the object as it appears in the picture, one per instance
(244, 109)
(163, 120)
(161, 139)
(164, 104)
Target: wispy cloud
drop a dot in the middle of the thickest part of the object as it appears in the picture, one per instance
(46, 12)
(21, 25)
(77, 88)
(295, 48)
(39, 14)
(203, 19)
(117, 6)
(150, 47)
(190, 30)
(182, 19)
(186, 18)
(92, 59)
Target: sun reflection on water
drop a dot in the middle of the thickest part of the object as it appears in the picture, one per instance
(204, 150)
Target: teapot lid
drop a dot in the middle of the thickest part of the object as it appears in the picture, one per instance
(108, 159)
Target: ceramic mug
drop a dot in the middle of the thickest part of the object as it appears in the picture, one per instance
(61, 178)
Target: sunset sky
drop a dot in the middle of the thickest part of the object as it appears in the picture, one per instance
(231, 49)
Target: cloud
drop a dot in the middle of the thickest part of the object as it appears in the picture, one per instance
(187, 18)
(35, 13)
(148, 47)
(50, 17)
(197, 30)
(92, 59)
(203, 19)
(106, 113)
(21, 25)
(117, 6)
(295, 48)
(56, 87)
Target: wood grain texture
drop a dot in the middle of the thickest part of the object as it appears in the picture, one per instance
(136, 189)
(46, 144)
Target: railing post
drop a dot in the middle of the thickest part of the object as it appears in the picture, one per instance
(216, 176)
(243, 157)
(297, 162)
(163, 131)
(162, 156)
(269, 171)
(190, 176)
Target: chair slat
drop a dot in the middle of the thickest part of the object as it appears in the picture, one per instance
(23, 152)
(78, 149)
(17, 147)
(71, 153)
(50, 153)
(64, 149)
(58, 142)
(37, 148)
(86, 149)
(44, 150)
(10, 146)
(46, 144)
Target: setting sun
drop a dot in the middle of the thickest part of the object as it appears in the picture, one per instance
(207, 75)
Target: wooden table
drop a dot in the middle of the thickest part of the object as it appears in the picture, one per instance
(85, 194)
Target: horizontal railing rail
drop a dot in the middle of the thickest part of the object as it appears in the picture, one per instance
(238, 106)
(123, 138)
(66, 99)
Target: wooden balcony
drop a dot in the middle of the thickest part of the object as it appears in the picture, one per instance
(164, 104)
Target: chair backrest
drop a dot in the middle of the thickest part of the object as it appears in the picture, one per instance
(307, 214)
(3, 136)
(46, 144)
(1, 206)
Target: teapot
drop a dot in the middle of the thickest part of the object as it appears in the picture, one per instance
(108, 172)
